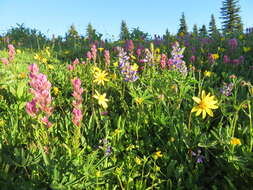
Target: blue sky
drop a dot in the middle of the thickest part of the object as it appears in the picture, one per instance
(152, 16)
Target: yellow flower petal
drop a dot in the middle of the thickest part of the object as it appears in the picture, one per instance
(196, 99)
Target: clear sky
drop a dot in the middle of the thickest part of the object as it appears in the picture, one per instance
(152, 16)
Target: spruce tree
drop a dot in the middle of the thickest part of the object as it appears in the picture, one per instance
(212, 26)
(203, 31)
(124, 33)
(72, 32)
(183, 26)
(90, 32)
(230, 14)
(195, 30)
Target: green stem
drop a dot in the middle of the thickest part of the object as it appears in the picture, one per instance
(250, 126)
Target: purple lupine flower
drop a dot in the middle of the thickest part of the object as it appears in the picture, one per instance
(176, 61)
(126, 68)
(193, 58)
(241, 59)
(108, 150)
(227, 89)
(199, 158)
(106, 147)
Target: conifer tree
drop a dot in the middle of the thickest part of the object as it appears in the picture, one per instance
(72, 32)
(183, 26)
(124, 33)
(195, 30)
(212, 26)
(90, 32)
(203, 31)
(230, 15)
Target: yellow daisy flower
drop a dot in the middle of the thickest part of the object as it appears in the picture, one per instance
(205, 104)
(139, 101)
(207, 73)
(101, 99)
(235, 141)
(100, 77)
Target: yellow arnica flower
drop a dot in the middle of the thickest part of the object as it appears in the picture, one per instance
(246, 49)
(44, 60)
(116, 64)
(215, 56)
(56, 91)
(135, 67)
(139, 101)
(22, 75)
(137, 160)
(205, 104)
(251, 91)
(100, 49)
(37, 57)
(235, 141)
(50, 67)
(101, 99)
(133, 57)
(100, 77)
(113, 76)
(207, 73)
(157, 155)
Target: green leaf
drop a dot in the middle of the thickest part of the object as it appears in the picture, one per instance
(20, 89)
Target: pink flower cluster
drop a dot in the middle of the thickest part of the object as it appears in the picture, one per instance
(107, 57)
(130, 46)
(163, 61)
(40, 88)
(12, 53)
(226, 59)
(232, 43)
(77, 102)
(71, 67)
(94, 52)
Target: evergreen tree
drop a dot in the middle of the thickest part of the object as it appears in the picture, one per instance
(203, 31)
(195, 30)
(124, 33)
(212, 26)
(230, 15)
(183, 26)
(72, 32)
(90, 32)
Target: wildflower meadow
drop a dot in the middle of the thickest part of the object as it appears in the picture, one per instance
(163, 112)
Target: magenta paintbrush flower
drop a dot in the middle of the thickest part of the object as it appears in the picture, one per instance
(163, 61)
(11, 52)
(40, 88)
(77, 102)
(107, 57)
(31, 108)
(4, 61)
